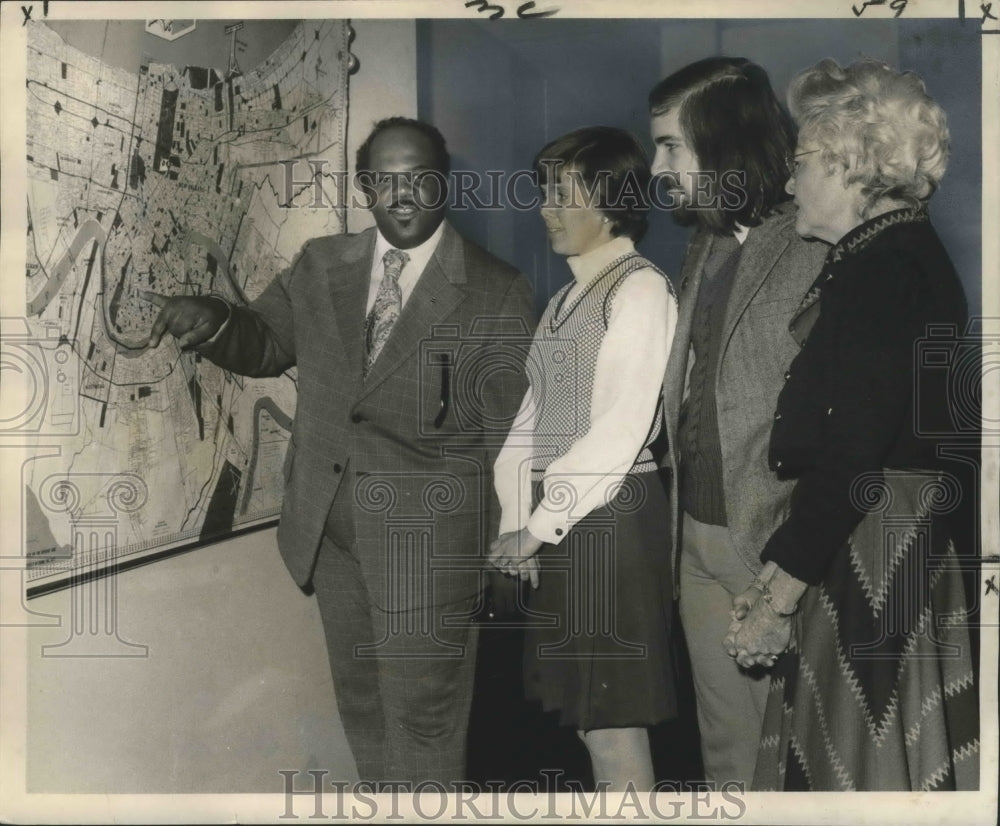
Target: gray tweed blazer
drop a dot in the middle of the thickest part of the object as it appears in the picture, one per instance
(775, 272)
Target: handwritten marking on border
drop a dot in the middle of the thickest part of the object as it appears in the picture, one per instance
(525, 11)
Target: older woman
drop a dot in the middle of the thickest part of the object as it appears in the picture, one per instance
(876, 690)
(583, 509)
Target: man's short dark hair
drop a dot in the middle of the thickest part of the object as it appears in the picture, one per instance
(612, 165)
(442, 159)
(732, 121)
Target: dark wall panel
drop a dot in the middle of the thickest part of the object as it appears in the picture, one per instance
(500, 90)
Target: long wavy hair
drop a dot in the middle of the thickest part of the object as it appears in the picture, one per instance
(733, 122)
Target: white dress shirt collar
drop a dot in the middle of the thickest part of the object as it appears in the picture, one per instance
(419, 258)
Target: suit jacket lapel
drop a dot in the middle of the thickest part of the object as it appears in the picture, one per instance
(435, 295)
(760, 254)
(349, 285)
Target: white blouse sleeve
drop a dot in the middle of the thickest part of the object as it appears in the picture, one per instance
(628, 382)
(512, 469)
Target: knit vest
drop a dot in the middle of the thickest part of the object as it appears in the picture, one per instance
(563, 360)
(700, 481)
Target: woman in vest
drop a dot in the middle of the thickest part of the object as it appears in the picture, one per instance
(584, 512)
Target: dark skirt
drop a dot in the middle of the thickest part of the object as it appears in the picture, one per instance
(597, 645)
(877, 691)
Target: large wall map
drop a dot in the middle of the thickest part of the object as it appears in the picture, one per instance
(170, 180)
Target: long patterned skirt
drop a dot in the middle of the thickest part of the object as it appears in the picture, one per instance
(876, 692)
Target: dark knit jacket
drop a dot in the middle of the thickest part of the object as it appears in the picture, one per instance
(862, 395)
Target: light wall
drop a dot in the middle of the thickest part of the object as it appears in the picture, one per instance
(384, 85)
(216, 679)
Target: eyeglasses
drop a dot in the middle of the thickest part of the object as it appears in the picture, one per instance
(793, 160)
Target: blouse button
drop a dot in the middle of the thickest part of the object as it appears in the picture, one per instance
(559, 531)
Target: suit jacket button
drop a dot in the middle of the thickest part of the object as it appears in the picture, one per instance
(777, 417)
(357, 418)
(337, 468)
(788, 375)
(777, 464)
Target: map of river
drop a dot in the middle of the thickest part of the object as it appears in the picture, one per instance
(168, 179)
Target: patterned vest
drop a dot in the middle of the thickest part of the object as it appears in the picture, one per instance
(563, 360)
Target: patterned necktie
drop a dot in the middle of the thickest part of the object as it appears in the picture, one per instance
(385, 310)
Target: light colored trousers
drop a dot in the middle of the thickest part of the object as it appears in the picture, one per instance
(730, 699)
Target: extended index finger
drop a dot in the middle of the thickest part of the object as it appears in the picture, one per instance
(153, 298)
(160, 322)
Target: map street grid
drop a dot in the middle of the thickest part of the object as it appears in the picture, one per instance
(167, 180)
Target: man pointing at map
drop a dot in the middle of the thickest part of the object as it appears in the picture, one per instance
(408, 341)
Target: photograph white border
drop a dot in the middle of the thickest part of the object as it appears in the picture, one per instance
(17, 806)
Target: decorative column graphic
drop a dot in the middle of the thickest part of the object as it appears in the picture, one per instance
(900, 582)
(39, 409)
(587, 564)
(96, 521)
(409, 505)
